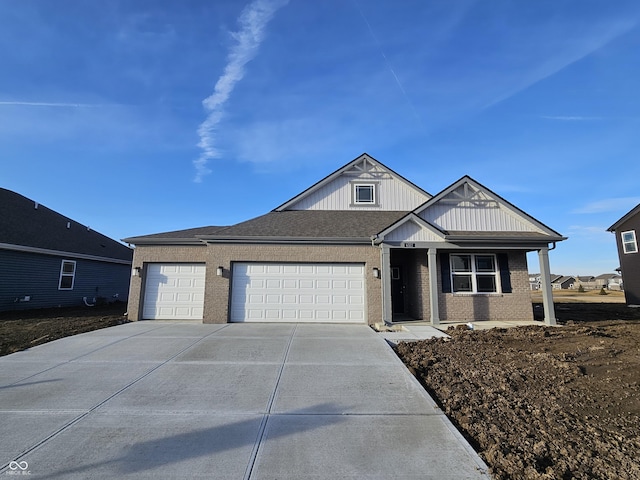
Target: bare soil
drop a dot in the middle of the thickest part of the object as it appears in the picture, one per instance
(543, 402)
(20, 330)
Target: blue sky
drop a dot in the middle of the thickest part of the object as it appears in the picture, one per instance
(141, 116)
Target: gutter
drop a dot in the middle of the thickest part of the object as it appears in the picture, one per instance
(60, 253)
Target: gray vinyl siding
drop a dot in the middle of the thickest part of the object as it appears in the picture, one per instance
(630, 262)
(36, 275)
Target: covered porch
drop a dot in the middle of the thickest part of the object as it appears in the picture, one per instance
(420, 284)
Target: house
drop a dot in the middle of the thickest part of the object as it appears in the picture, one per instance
(587, 282)
(615, 283)
(534, 281)
(49, 260)
(364, 244)
(625, 231)
(563, 282)
(609, 281)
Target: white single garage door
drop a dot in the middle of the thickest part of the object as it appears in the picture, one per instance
(305, 292)
(174, 291)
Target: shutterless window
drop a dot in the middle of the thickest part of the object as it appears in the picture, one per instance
(472, 273)
(67, 275)
(364, 193)
(629, 243)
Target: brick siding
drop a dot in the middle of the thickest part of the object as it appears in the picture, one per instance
(506, 306)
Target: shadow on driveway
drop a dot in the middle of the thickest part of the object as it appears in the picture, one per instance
(191, 448)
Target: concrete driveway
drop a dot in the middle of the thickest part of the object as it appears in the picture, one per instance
(236, 401)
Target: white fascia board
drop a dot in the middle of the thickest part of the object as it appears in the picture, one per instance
(339, 172)
(412, 217)
(59, 253)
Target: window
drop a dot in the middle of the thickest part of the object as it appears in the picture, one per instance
(67, 275)
(471, 273)
(629, 243)
(364, 193)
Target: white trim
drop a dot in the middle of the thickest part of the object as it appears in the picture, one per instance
(59, 253)
(364, 158)
(64, 274)
(634, 242)
(412, 217)
(491, 196)
(354, 193)
(473, 273)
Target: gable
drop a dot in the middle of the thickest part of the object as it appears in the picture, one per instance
(467, 206)
(411, 229)
(633, 215)
(390, 191)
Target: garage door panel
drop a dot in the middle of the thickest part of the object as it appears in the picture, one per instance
(174, 291)
(297, 293)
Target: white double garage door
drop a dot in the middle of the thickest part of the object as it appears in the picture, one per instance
(262, 292)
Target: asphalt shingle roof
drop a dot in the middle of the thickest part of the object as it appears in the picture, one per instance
(21, 223)
(310, 224)
(314, 224)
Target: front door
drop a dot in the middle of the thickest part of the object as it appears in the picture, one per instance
(397, 290)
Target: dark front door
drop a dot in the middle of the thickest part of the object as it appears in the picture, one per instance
(397, 290)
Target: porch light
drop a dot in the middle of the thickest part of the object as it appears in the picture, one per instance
(376, 272)
(219, 271)
(136, 271)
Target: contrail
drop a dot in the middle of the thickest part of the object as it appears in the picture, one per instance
(252, 22)
(387, 63)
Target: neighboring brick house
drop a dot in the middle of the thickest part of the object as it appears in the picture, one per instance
(626, 230)
(361, 245)
(48, 260)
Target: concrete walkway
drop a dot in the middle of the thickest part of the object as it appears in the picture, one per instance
(183, 400)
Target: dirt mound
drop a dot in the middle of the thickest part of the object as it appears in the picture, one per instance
(541, 402)
(28, 328)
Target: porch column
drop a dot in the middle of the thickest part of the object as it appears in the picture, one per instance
(545, 284)
(385, 264)
(433, 286)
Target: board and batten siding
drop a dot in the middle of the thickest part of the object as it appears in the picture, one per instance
(37, 276)
(392, 194)
(479, 219)
(412, 232)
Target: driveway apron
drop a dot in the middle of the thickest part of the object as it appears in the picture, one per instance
(235, 401)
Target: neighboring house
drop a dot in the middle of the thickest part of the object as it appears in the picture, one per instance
(362, 245)
(535, 280)
(49, 260)
(587, 282)
(615, 283)
(563, 282)
(626, 230)
(609, 281)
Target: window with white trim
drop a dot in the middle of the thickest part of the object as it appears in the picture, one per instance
(364, 193)
(474, 273)
(629, 243)
(67, 275)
